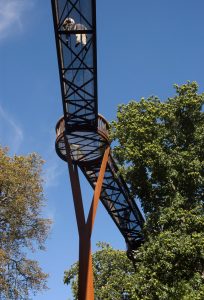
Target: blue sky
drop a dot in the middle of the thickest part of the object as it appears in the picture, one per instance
(144, 47)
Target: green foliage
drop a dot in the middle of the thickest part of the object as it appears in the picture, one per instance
(112, 273)
(161, 155)
(21, 227)
(160, 152)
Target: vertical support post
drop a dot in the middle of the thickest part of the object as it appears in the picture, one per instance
(86, 280)
(85, 259)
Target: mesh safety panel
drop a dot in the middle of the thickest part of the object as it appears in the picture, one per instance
(75, 31)
(118, 202)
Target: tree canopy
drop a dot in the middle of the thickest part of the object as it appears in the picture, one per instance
(21, 225)
(161, 154)
(112, 272)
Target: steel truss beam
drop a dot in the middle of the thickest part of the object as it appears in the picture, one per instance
(118, 202)
(77, 65)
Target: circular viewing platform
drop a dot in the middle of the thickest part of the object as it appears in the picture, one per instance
(85, 145)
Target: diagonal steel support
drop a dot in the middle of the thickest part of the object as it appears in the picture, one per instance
(97, 192)
(85, 286)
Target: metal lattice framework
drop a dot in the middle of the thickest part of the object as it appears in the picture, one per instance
(82, 134)
(77, 65)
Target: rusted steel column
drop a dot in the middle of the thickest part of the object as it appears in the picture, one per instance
(97, 192)
(86, 280)
(76, 189)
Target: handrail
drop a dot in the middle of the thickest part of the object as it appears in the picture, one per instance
(103, 127)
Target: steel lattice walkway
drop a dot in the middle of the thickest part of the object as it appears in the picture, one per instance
(82, 134)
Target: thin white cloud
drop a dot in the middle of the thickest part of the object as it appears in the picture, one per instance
(11, 134)
(52, 173)
(11, 15)
(53, 166)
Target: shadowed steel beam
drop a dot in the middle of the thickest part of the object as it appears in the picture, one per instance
(76, 190)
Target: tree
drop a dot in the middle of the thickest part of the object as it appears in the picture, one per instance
(112, 273)
(161, 155)
(21, 226)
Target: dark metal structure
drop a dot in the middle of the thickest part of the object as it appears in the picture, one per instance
(82, 134)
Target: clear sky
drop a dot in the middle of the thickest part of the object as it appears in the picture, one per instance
(144, 47)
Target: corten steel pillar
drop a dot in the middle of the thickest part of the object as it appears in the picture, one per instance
(86, 281)
(90, 152)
